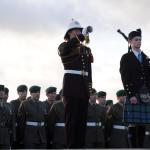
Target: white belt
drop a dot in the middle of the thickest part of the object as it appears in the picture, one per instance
(30, 123)
(93, 124)
(119, 127)
(147, 133)
(60, 124)
(83, 73)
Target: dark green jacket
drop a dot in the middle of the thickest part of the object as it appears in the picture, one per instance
(32, 111)
(55, 120)
(15, 106)
(96, 114)
(115, 117)
(7, 124)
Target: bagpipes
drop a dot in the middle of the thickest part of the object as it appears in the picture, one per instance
(126, 38)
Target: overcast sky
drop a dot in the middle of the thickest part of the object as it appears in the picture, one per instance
(31, 31)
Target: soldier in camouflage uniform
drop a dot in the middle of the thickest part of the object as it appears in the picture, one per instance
(32, 120)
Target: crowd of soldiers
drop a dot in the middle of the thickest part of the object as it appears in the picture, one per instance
(27, 122)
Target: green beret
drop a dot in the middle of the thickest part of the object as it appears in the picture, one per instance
(34, 89)
(101, 94)
(22, 88)
(2, 87)
(6, 90)
(51, 89)
(120, 93)
(108, 102)
(93, 91)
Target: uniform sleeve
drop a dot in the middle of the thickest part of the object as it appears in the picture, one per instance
(109, 123)
(86, 50)
(126, 76)
(147, 65)
(90, 78)
(66, 47)
(90, 66)
(13, 126)
(51, 122)
(22, 119)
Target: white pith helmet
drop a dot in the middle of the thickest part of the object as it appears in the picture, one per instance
(73, 25)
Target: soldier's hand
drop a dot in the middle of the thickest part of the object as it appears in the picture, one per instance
(133, 100)
(81, 37)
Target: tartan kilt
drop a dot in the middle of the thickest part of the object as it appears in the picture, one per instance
(136, 113)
